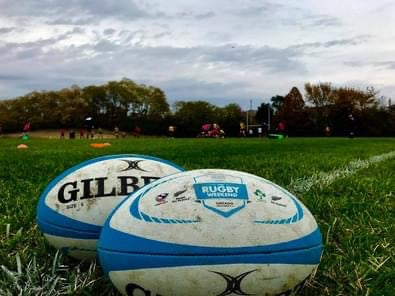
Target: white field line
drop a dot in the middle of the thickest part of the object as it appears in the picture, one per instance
(323, 179)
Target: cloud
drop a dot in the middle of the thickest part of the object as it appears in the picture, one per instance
(105, 46)
(336, 42)
(386, 64)
(209, 47)
(195, 89)
(226, 56)
(73, 20)
(161, 35)
(7, 30)
(274, 59)
(32, 49)
(381, 64)
(109, 31)
(73, 11)
(187, 14)
(43, 64)
(324, 21)
(257, 10)
(219, 36)
(308, 20)
(4, 76)
(354, 63)
(205, 15)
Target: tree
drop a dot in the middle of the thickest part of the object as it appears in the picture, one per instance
(291, 112)
(121, 100)
(190, 116)
(277, 101)
(117, 102)
(367, 99)
(155, 110)
(293, 100)
(154, 103)
(229, 118)
(353, 101)
(321, 96)
(262, 113)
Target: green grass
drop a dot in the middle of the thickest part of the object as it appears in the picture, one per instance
(355, 213)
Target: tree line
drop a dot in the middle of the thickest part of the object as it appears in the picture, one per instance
(340, 109)
(117, 103)
(126, 104)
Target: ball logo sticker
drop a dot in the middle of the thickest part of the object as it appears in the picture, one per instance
(224, 199)
(276, 200)
(133, 165)
(161, 198)
(260, 195)
(233, 283)
(213, 193)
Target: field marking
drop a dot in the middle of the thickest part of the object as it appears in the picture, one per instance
(323, 179)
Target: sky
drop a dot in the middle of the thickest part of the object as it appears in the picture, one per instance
(222, 51)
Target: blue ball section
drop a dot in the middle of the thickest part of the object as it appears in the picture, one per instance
(70, 230)
(113, 260)
(117, 241)
(52, 222)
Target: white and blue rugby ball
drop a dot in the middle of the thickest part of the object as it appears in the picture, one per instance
(72, 209)
(210, 232)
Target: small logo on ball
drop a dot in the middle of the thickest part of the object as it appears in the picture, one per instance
(161, 198)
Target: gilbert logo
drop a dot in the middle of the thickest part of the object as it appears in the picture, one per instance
(233, 283)
(133, 165)
(134, 289)
(224, 199)
(83, 189)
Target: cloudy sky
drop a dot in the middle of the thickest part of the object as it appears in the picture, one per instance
(219, 50)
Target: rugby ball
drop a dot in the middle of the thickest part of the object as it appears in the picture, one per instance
(72, 209)
(210, 232)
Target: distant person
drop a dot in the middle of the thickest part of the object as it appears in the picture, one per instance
(221, 133)
(327, 131)
(250, 132)
(260, 131)
(215, 130)
(265, 128)
(242, 132)
(88, 131)
(116, 132)
(71, 134)
(137, 131)
(281, 128)
(81, 133)
(26, 127)
(351, 126)
(123, 135)
(62, 132)
(26, 130)
(88, 124)
(171, 131)
(100, 132)
(206, 129)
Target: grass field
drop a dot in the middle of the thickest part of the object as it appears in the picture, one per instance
(354, 208)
